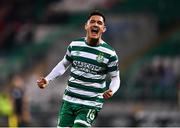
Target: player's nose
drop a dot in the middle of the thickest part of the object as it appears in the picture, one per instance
(95, 24)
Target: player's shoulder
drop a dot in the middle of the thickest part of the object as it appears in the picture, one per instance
(77, 41)
(106, 45)
(108, 48)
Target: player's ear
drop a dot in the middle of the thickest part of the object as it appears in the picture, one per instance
(85, 26)
(104, 29)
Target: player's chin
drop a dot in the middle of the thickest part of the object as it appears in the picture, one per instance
(94, 37)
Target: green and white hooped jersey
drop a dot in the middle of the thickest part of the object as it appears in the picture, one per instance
(90, 65)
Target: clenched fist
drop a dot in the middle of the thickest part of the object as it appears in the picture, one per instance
(108, 94)
(42, 83)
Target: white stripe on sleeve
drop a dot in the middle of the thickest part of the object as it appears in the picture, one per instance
(115, 83)
(58, 70)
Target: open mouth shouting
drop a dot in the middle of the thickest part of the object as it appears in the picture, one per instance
(95, 31)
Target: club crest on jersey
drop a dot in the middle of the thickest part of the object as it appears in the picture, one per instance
(100, 58)
(77, 53)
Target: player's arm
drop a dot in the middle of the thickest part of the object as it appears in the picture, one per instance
(58, 70)
(113, 87)
(113, 71)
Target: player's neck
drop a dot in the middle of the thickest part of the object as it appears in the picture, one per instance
(93, 42)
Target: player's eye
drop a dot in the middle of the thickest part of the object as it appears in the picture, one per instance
(99, 22)
(92, 21)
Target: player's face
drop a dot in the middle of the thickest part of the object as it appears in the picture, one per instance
(95, 26)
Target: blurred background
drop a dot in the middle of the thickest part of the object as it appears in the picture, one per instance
(34, 36)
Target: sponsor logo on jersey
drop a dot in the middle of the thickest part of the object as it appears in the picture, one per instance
(86, 67)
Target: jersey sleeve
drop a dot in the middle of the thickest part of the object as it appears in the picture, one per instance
(61, 67)
(68, 56)
(112, 67)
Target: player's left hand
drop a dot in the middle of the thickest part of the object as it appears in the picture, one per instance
(108, 94)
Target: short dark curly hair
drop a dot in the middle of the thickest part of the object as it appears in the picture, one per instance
(97, 12)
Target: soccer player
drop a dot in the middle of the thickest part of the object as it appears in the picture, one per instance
(91, 60)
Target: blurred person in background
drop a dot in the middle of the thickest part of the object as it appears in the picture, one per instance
(20, 101)
(6, 107)
(92, 60)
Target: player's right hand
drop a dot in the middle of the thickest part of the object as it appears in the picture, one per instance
(42, 82)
